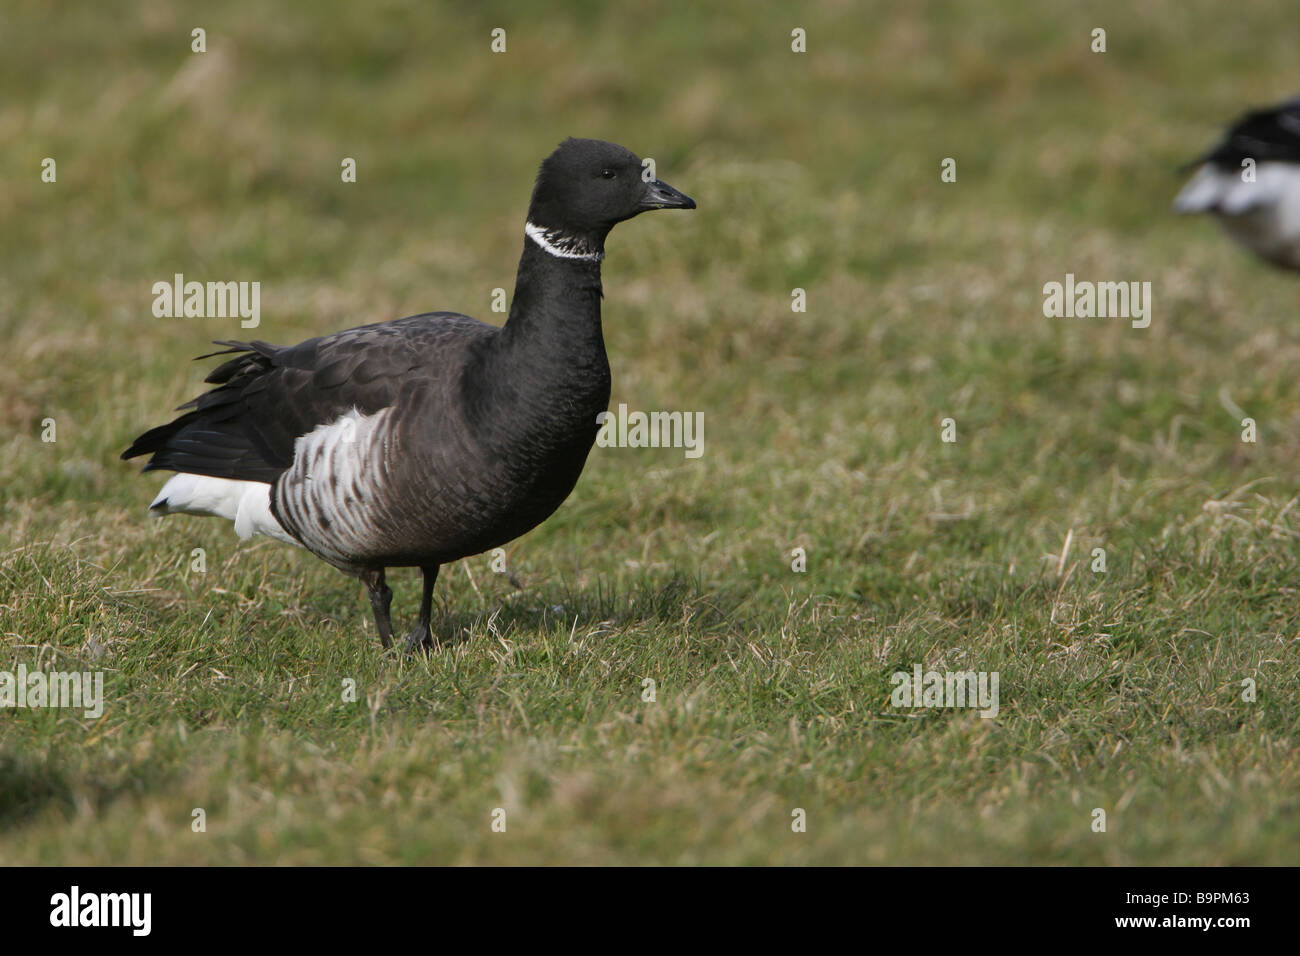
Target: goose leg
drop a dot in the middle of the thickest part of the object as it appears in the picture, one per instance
(381, 599)
(421, 636)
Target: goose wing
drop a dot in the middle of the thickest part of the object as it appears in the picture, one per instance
(268, 396)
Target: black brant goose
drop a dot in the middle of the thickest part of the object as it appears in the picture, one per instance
(423, 440)
(1258, 203)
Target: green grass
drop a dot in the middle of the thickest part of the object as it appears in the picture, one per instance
(1120, 691)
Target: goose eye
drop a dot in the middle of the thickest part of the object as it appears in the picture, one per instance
(608, 173)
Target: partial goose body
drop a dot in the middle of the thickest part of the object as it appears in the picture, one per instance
(351, 447)
(1258, 203)
(420, 441)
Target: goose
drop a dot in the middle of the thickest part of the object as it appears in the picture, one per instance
(427, 439)
(1257, 203)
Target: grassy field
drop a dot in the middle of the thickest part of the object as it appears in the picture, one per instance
(1120, 691)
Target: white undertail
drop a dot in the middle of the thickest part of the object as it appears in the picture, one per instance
(246, 503)
(1262, 213)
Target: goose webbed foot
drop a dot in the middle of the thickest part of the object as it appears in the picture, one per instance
(420, 638)
(381, 599)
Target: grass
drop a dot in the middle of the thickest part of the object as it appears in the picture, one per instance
(224, 689)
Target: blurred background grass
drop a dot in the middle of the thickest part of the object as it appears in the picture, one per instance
(816, 170)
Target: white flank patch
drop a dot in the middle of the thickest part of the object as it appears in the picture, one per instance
(334, 490)
(560, 245)
(1263, 215)
(246, 503)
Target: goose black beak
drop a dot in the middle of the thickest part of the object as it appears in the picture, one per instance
(659, 195)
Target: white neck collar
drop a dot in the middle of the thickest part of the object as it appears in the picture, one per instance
(560, 245)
